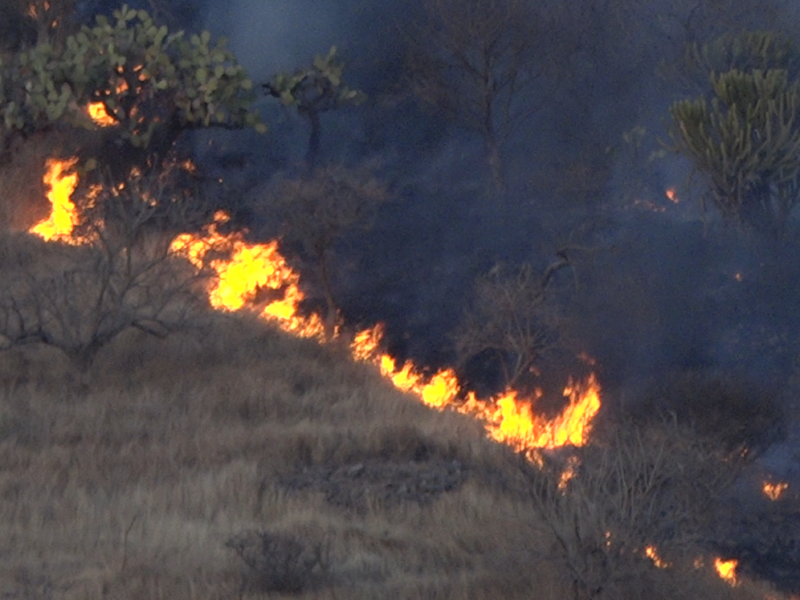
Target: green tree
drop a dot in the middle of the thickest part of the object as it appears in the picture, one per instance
(312, 91)
(150, 84)
(744, 133)
(746, 140)
(747, 51)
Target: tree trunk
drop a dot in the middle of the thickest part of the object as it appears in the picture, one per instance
(332, 311)
(312, 154)
(495, 165)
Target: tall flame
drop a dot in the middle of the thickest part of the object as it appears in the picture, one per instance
(63, 215)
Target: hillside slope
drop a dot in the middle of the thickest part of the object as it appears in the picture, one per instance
(238, 462)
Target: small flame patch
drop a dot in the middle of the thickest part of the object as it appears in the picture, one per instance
(773, 491)
(726, 569)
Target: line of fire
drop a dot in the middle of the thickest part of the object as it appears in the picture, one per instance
(634, 415)
(245, 269)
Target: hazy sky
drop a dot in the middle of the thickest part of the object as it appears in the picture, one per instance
(276, 35)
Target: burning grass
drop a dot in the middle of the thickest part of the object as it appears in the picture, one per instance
(232, 460)
(136, 486)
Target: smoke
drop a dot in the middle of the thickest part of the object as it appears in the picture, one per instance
(657, 290)
(278, 35)
(654, 287)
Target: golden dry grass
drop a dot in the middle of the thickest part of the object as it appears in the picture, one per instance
(130, 488)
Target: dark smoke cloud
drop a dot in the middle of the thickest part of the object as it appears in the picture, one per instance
(652, 289)
(655, 289)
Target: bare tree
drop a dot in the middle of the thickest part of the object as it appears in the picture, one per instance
(483, 64)
(511, 319)
(116, 273)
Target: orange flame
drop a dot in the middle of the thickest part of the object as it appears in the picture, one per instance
(652, 553)
(507, 418)
(672, 195)
(244, 271)
(773, 491)
(727, 569)
(568, 473)
(63, 215)
(250, 274)
(98, 113)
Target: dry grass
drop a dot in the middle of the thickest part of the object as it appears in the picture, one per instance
(132, 489)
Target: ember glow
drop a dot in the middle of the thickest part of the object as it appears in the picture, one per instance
(98, 112)
(652, 553)
(773, 491)
(672, 195)
(726, 569)
(63, 215)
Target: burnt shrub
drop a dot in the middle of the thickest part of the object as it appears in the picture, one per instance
(280, 561)
(742, 415)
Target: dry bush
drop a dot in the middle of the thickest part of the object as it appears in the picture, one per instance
(317, 211)
(77, 298)
(742, 416)
(512, 320)
(282, 562)
(633, 489)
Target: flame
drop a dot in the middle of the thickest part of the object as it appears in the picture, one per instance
(651, 552)
(568, 473)
(243, 271)
(506, 418)
(672, 195)
(63, 215)
(726, 569)
(98, 113)
(248, 274)
(773, 491)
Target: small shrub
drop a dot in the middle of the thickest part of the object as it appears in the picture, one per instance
(282, 562)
